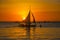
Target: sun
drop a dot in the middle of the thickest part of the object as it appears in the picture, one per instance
(24, 18)
(23, 14)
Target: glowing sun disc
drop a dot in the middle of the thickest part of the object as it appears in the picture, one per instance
(24, 18)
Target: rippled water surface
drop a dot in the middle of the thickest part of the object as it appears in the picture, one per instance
(19, 33)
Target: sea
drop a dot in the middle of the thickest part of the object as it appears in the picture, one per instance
(47, 31)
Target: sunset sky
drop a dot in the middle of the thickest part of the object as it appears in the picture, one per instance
(43, 10)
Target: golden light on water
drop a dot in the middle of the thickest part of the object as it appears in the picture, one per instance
(40, 32)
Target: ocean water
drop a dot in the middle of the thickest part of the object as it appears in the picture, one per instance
(18, 33)
(43, 24)
(48, 31)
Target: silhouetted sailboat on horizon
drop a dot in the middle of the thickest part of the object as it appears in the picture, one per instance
(28, 24)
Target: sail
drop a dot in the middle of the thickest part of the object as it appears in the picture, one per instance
(27, 20)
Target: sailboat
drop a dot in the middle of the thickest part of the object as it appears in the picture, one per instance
(27, 23)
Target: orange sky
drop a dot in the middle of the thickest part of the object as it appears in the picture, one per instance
(43, 10)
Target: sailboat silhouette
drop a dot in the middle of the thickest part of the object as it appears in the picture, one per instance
(27, 20)
(28, 24)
